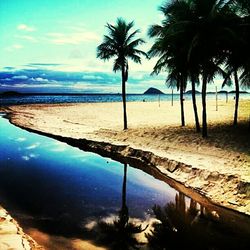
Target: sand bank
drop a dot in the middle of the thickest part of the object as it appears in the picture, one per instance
(217, 167)
(12, 235)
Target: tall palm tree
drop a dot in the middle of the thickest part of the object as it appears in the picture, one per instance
(200, 26)
(172, 48)
(194, 80)
(238, 49)
(121, 45)
(209, 28)
(178, 80)
(170, 60)
(245, 13)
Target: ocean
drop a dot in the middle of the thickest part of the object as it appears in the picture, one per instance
(94, 98)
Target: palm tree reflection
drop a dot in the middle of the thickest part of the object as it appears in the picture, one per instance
(193, 227)
(120, 234)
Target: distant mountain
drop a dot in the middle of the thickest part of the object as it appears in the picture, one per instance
(10, 93)
(241, 92)
(153, 91)
(190, 92)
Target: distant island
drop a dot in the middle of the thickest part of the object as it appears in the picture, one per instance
(222, 92)
(153, 91)
(10, 93)
(241, 92)
(219, 92)
(190, 92)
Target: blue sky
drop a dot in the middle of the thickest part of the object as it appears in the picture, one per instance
(50, 45)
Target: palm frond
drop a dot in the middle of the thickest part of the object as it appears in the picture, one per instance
(120, 45)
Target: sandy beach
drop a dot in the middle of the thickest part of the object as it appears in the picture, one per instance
(217, 167)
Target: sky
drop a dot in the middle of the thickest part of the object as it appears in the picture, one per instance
(50, 46)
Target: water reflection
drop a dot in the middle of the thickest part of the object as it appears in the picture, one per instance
(120, 233)
(193, 227)
(63, 197)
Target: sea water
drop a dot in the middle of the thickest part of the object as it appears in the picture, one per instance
(92, 98)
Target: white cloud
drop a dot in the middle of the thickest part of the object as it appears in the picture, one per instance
(90, 87)
(39, 79)
(14, 47)
(17, 46)
(22, 77)
(25, 27)
(75, 54)
(27, 38)
(79, 86)
(87, 65)
(72, 38)
(28, 85)
(91, 77)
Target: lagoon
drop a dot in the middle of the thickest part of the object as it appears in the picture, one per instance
(60, 194)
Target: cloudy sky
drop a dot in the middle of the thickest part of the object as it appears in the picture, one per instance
(50, 46)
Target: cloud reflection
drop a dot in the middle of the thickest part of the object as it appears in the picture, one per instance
(25, 158)
(34, 145)
(33, 155)
(59, 147)
(21, 139)
(30, 156)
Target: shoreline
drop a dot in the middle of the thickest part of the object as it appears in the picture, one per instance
(223, 187)
(12, 235)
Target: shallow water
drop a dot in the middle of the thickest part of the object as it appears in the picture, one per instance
(64, 197)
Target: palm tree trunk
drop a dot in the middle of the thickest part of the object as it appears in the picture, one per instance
(123, 215)
(182, 104)
(124, 185)
(204, 108)
(125, 126)
(237, 93)
(197, 123)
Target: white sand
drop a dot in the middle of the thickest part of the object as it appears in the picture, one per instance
(12, 236)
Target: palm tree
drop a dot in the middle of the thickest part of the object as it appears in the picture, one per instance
(172, 48)
(195, 79)
(176, 79)
(209, 29)
(238, 50)
(170, 60)
(245, 14)
(121, 45)
(203, 25)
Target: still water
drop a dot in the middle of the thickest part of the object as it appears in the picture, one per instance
(66, 198)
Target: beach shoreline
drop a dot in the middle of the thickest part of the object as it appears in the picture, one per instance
(12, 235)
(154, 138)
